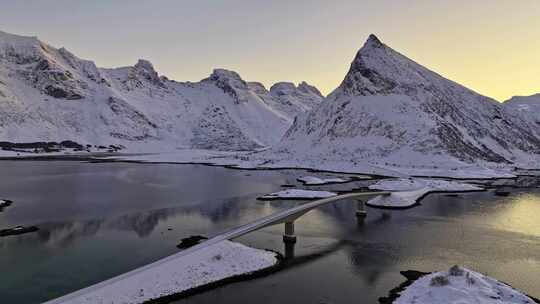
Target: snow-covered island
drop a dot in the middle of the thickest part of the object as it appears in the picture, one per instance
(297, 194)
(408, 191)
(172, 277)
(17, 230)
(317, 181)
(460, 285)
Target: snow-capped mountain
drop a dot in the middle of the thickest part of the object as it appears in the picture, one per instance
(390, 109)
(49, 94)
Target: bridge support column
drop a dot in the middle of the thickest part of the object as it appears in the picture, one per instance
(289, 250)
(289, 239)
(289, 236)
(361, 212)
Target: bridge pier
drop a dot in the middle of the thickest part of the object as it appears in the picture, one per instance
(289, 236)
(289, 239)
(361, 212)
(289, 250)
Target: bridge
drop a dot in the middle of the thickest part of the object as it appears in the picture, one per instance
(287, 217)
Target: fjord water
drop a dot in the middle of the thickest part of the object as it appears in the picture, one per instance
(100, 220)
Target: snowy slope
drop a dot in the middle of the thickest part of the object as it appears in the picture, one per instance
(48, 94)
(390, 110)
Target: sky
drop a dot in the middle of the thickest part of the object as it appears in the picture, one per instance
(490, 46)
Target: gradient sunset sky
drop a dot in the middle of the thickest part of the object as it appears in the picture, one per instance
(490, 46)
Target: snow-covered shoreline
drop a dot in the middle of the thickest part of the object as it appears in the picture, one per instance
(220, 262)
(264, 160)
(245, 160)
(317, 181)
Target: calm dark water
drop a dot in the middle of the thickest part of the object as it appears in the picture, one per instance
(100, 220)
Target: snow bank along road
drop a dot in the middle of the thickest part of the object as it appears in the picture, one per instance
(134, 276)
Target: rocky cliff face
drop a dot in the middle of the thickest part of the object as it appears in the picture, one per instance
(388, 107)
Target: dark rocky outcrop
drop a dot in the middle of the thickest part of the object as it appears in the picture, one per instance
(17, 230)
(4, 204)
(190, 241)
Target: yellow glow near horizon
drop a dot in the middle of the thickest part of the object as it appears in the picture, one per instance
(491, 49)
(494, 50)
(490, 46)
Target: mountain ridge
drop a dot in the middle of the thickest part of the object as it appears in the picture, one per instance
(49, 94)
(388, 109)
